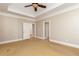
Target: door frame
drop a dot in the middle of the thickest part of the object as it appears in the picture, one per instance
(35, 29)
(44, 28)
(22, 29)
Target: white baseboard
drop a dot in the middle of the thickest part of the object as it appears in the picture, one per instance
(39, 37)
(10, 41)
(64, 43)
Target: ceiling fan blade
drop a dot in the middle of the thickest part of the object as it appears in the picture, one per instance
(41, 6)
(35, 9)
(27, 5)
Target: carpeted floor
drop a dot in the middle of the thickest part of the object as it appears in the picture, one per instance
(36, 47)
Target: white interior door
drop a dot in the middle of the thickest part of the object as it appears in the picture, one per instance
(27, 30)
(47, 30)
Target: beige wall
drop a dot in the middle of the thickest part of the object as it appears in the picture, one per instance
(10, 28)
(64, 27)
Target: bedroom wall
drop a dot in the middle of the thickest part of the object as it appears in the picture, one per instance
(10, 28)
(65, 27)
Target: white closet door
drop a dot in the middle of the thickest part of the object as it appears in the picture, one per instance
(27, 30)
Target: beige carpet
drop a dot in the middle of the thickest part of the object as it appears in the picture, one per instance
(36, 47)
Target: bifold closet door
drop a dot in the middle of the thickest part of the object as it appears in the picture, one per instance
(27, 30)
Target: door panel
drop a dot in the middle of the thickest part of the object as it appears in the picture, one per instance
(27, 30)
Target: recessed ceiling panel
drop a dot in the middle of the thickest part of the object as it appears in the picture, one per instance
(19, 8)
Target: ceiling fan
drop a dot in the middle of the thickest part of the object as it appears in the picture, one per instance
(35, 5)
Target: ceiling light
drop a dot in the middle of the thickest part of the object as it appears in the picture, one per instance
(35, 5)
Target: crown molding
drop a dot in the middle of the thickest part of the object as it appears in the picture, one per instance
(19, 12)
(16, 16)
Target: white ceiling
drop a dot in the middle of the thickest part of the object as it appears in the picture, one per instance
(29, 11)
(52, 8)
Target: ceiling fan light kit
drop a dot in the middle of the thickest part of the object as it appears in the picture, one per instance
(35, 5)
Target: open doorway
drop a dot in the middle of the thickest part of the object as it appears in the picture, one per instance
(33, 30)
(47, 30)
